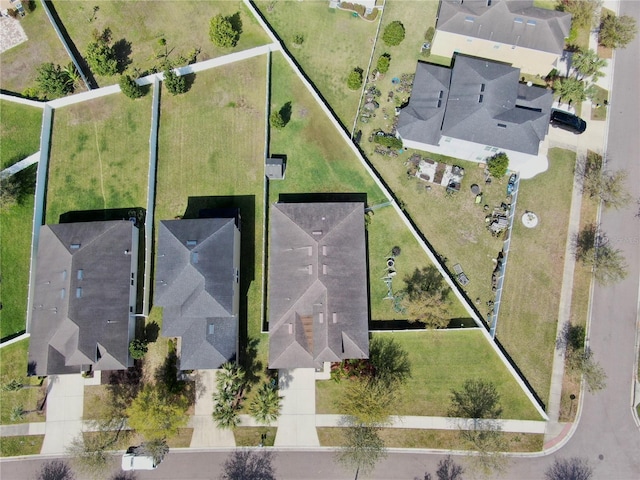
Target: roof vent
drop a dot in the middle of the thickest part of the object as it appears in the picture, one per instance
(335, 317)
(321, 317)
(324, 269)
(211, 328)
(79, 292)
(324, 250)
(75, 246)
(80, 274)
(192, 243)
(502, 125)
(194, 258)
(290, 325)
(63, 292)
(310, 269)
(317, 232)
(480, 98)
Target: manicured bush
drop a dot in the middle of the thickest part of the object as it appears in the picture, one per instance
(276, 120)
(137, 349)
(53, 81)
(498, 164)
(393, 33)
(222, 33)
(354, 81)
(130, 88)
(174, 83)
(383, 63)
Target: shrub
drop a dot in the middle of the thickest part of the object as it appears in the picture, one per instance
(393, 33)
(138, 348)
(101, 56)
(130, 88)
(222, 33)
(428, 36)
(276, 120)
(383, 63)
(174, 83)
(298, 39)
(498, 164)
(387, 141)
(354, 81)
(53, 81)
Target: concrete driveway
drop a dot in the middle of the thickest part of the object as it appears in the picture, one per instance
(297, 421)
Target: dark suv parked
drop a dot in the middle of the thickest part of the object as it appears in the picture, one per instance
(568, 121)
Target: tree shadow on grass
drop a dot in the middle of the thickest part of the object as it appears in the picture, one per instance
(122, 51)
(151, 332)
(236, 22)
(285, 113)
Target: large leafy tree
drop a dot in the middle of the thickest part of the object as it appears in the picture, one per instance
(617, 32)
(222, 32)
(156, 415)
(587, 64)
(393, 33)
(582, 11)
(391, 365)
(367, 403)
(426, 297)
(476, 399)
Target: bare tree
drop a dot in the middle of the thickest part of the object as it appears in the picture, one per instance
(592, 248)
(574, 468)
(55, 470)
(362, 449)
(248, 465)
(449, 470)
(607, 186)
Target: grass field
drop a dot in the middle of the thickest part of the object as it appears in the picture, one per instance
(334, 43)
(318, 161)
(15, 252)
(184, 25)
(528, 315)
(599, 112)
(211, 153)
(20, 62)
(441, 439)
(99, 156)
(21, 445)
(442, 361)
(13, 365)
(19, 132)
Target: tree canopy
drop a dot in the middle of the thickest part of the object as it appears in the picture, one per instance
(571, 90)
(426, 297)
(176, 84)
(101, 56)
(354, 80)
(266, 405)
(498, 164)
(156, 415)
(393, 33)
(222, 31)
(477, 399)
(617, 32)
(582, 11)
(587, 64)
(362, 448)
(53, 81)
(391, 365)
(383, 63)
(130, 88)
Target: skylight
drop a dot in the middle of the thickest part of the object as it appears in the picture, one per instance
(469, 19)
(531, 23)
(192, 243)
(518, 20)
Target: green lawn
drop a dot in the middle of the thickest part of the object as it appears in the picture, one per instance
(19, 132)
(99, 156)
(20, 62)
(599, 112)
(211, 153)
(21, 445)
(441, 439)
(335, 43)
(13, 365)
(528, 315)
(318, 161)
(184, 25)
(440, 362)
(15, 251)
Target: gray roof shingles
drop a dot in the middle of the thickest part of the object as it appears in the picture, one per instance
(485, 104)
(509, 22)
(317, 268)
(195, 275)
(82, 319)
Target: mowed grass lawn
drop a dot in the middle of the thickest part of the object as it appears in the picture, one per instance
(334, 44)
(530, 301)
(13, 365)
(15, 252)
(184, 25)
(19, 132)
(320, 161)
(442, 361)
(211, 144)
(99, 155)
(19, 63)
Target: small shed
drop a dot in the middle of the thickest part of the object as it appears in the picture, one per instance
(274, 168)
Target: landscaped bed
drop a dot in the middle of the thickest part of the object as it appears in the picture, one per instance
(335, 42)
(183, 25)
(530, 301)
(318, 161)
(99, 156)
(442, 361)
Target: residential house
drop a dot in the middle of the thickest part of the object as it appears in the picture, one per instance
(84, 297)
(197, 281)
(511, 31)
(318, 302)
(475, 109)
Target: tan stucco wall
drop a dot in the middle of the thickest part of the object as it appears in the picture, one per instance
(526, 59)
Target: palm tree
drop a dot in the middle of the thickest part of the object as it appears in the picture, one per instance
(72, 74)
(266, 407)
(587, 64)
(225, 415)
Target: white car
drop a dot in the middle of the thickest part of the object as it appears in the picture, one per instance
(132, 461)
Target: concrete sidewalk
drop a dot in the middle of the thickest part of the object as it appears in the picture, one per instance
(64, 412)
(297, 422)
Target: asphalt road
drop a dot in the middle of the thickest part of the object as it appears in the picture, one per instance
(607, 436)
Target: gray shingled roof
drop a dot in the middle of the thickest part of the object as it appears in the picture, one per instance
(509, 22)
(486, 104)
(318, 305)
(274, 168)
(81, 297)
(195, 276)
